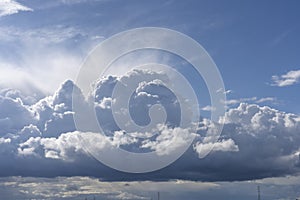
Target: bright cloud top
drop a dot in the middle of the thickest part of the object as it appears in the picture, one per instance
(290, 78)
(9, 7)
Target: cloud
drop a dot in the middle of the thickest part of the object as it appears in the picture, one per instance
(251, 100)
(40, 138)
(3, 140)
(15, 94)
(290, 78)
(208, 108)
(57, 66)
(50, 35)
(266, 99)
(65, 147)
(14, 115)
(73, 1)
(225, 92)
(164, 143)
(223, 145)
(126, 195)
(87, 188)
(68, 2)
(9, 7)
(53, 53)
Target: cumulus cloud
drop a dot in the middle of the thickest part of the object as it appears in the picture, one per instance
(9, 7)
(65, 147)
(14, 94)
(290, 78)
(40, 139)
(51, 115)
(14, 115)
(168, 140)
(223, 145)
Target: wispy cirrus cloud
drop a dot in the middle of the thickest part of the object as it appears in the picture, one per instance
(49, 35)
(9, 7)
(48, 52)
(290, 78)
(257, 100)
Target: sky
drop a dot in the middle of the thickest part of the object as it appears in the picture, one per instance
(45, 44)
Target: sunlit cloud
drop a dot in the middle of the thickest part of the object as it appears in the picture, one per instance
(9, 7)
(45, 56)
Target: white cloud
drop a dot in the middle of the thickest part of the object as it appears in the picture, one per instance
(9, 7)
(14, 115)
(28, 132)
(14, 77)
(208, 108)
(14, 94)
(66, 147)
(266, 99)
(49, 35)
(30, 77)
(168, 140)
(223, 145)
(250, 100)
(256, 118)
(121, 138)
(105, 103)
(42, 135)
(290, 78)
(52, 53)
(225, 92)
(3, 140)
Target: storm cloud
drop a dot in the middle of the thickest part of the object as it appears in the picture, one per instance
(39, 138)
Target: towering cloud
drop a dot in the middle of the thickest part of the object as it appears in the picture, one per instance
(39, 138)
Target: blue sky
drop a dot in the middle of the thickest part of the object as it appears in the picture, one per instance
(255, 45)
(249, 41)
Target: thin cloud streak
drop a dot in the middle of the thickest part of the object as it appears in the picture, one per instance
(290, 78)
